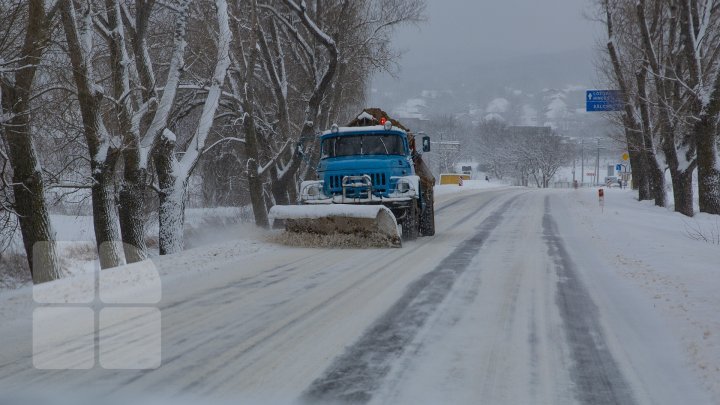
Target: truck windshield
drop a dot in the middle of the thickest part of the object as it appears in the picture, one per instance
(362, 145)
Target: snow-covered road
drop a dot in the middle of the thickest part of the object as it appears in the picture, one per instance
(510, 302)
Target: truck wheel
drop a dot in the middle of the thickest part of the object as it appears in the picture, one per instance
(427, 219)
(410, 222)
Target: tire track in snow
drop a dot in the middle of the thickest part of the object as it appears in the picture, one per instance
(359, 372)
(595, 373)
(210, 380)
(461, 198)
(388, 264)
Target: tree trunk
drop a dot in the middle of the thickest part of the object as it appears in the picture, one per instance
(171, 213)
(708, 140)
(655, 175)
(260, 209)
(657, 183)
(256, 195)
(29, 192)
(132, 211)
(638, 159)
(292, 189)
(638, 162)
(708, 167)
(279, 188)
(105, 218)
(683, 192)
(28, 189)
(254, 180)
(105, 221)
(171, 220)
(681, 178)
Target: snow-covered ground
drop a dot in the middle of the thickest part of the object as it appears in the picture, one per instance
(76, 238)
(522, 296)
(663, 254)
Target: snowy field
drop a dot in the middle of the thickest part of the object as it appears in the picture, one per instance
(522, 296)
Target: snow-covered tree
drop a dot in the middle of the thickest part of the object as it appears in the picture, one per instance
(175, 162)
(25, 32)
(490, 146)
(103, 147)
(663, 57)
(146, 85)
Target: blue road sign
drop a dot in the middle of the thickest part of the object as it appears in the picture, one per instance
(603, 100)
(618, 168)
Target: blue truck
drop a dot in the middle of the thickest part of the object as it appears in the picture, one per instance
(371, 178)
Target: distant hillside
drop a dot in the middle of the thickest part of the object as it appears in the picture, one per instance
(533, 90)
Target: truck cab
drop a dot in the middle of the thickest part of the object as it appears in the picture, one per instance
(383, 155)
(363, 165)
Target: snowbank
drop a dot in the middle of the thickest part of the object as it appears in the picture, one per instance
(468, 185)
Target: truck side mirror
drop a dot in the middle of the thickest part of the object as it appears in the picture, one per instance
(426, 143)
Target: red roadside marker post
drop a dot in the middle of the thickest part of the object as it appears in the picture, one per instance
(601, 199)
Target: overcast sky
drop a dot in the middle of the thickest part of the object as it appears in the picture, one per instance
(476, 30)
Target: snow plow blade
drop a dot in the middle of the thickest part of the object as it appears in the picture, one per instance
(374, 223)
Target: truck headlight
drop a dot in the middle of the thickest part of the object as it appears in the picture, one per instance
(402, 186)
(314, 190)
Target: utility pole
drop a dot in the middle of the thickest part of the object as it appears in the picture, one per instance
(597, 164)
(582, 161)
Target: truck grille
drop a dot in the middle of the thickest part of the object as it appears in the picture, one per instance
(379, 181)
